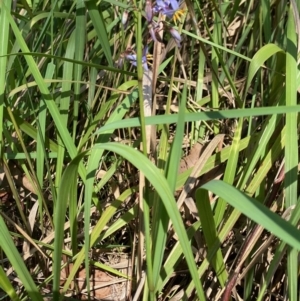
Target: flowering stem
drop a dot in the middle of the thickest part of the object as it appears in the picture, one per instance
(140, 71)
(145, 215)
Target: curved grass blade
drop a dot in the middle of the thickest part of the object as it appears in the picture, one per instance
(263, 54)
(162, 187)
(17, 262)
(256, 211)
(7, 287)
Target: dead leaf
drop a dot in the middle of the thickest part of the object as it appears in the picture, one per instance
(103, 286)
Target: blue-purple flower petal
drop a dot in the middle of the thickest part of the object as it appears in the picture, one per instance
(166, 7)
(176, 35)
(149, 11)
(174, 4)
(132, 58)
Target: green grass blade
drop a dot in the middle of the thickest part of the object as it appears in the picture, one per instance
(259, 58)
(105, 217)
(99, 25)
(4, 36)
(162, 187)
(295, 216)
(161, 219)
(80, 40)
(210, 233)
(17, 262)
(230, 171)
(46, 95)
(94, 159)
(291, 146)
(256, 211)
(7, 287)
(69, 179)
(64, 104)
(167, 119)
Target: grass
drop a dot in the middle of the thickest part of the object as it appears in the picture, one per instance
(175, 181)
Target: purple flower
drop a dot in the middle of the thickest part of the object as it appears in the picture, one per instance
(149, 11)
(154, 29)
(130, 55)
(176, 35)
(170, 8)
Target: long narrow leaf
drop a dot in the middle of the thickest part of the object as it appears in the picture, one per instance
(256, 211)
(17, 262)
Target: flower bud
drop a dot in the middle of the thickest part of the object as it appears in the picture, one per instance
(176, 35)
(125, 17)
(149, 11)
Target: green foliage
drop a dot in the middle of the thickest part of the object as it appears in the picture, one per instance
(95, 136)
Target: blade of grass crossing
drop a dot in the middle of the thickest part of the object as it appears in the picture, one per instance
(238, 48)
(174, 258)
(267, 131)
(92, 96)
(48, 22)
(190, 117)
(291, 147)
(32, 177)
(117, 114)
(4, 36)
(275, 150)
(215, 247)
(27, 128)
